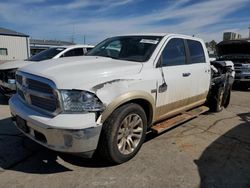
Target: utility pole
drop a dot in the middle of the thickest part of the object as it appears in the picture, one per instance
(73, 34)
(84, 39)
(249, 32)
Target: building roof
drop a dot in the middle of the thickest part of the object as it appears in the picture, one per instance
(4, 31)
(50, 42)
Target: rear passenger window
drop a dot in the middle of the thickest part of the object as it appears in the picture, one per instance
(196, 52)
(174, 53)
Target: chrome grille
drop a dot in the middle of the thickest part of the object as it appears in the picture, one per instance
(39, 86)
(20, 93)
(47, 104)
(38, 92)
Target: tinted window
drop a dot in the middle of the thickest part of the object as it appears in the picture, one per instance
(3, 51)
(114, 49)
(196, 52)
(46, 54)
(174, 53)
(88, 49)
(130, 48)
(74, 52)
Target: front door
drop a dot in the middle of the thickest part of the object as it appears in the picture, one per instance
(174, 88)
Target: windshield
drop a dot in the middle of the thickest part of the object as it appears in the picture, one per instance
(46, 54)
(131, 48)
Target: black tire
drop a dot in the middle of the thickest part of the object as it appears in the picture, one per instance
(3, 96)
(236, 86)
(228, 97)
(108, 142)
(6, 94)
(244, 86)
(2, 91)
(216, 102)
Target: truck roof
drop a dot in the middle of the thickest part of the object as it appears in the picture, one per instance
(162, 35)
(77, 46)
(146, 34)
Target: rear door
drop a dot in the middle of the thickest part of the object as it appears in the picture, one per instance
(199, 69)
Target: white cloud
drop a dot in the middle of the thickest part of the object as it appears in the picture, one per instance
(104, 5)
(204, 19)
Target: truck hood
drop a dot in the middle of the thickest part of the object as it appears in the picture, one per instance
(14, 64)
(234, 48)
(82, 72)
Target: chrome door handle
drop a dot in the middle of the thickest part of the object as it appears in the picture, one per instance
(186, 74)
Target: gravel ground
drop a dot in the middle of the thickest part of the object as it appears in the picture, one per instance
(212, 150)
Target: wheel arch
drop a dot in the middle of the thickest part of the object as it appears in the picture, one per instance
(145, 100)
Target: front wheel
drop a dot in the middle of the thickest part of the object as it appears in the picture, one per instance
(123, 133)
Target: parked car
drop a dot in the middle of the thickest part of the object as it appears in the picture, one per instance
(107, 100)
(8, 69)
(238, 51)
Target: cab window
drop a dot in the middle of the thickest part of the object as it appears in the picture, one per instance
(174, 53)
(196, 52)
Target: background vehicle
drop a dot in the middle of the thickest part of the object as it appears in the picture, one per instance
(238, 51)
(8, 69)
(126, 85)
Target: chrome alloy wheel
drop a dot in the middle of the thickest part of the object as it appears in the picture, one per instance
(129, 133)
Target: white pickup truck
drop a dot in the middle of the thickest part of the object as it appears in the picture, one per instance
(107, 100)
(8, 69)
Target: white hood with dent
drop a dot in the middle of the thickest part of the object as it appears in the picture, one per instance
(14, 64)
(82, 72)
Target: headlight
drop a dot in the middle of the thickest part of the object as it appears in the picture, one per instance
(80, 101)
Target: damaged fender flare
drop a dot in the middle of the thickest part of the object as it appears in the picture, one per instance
(130, 97)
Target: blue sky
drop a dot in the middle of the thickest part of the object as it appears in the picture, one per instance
(98, 19)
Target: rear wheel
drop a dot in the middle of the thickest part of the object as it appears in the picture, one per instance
(123, 133)
(228, 97)
(216, 101)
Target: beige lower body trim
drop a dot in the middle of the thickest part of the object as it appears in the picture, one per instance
(177, 107)
(133, 95)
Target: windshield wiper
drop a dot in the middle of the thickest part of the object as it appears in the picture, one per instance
(103, 56)
(111, 57)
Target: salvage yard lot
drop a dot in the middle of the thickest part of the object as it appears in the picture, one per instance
(212, 150)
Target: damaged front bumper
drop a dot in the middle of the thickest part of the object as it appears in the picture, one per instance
(70, 133)
(7, 89)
